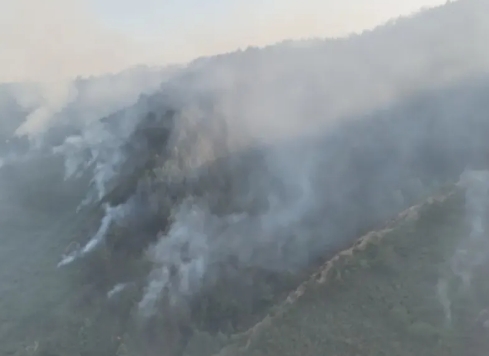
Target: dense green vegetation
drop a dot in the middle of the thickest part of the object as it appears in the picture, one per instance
(380, 297)
(384, 298)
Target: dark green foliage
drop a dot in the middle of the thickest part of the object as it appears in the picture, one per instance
(374, 313)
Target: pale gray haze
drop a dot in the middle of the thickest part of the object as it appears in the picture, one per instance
(156, 156)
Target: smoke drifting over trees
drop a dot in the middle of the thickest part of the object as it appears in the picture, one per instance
(244, 169)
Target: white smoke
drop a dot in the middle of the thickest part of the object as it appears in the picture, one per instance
(180, 259)
(118, 288)
(200, 242)
(473, 250)
(112, 214)
(98, 148)
(442, 289)
(264, 96)
(55, 97)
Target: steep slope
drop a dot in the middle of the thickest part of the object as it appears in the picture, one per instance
(213, 198)
(395, 157)
(396, 291)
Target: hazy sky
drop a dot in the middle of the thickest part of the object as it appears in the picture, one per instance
(47, 39)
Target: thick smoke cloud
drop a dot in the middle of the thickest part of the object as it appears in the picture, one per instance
(56, 41)
(268, 159)
(286, 192)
